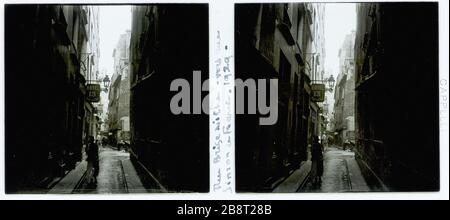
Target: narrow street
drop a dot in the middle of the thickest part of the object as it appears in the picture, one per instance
(116, 175)
(341, 173)
(105, 77)
(111, 177)
(85, 57)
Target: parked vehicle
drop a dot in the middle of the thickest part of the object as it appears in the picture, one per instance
(349, 144)
(123, 144)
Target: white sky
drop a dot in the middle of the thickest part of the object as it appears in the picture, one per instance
(113, 21)
(340, 20)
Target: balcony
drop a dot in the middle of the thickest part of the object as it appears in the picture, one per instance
(298, 54)
(286, 32)
(284, 89)
(60, 29)
(285, 28)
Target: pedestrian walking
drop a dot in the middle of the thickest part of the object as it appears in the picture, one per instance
(324, 141)
(92, 160)
(317, 161)
(99, 140)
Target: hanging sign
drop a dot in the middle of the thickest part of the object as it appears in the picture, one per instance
(93, 92)
(318, 92)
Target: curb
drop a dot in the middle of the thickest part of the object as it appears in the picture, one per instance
(71, 181)
(134, 159)
(304, 182)
(80, 182)
(296, 180)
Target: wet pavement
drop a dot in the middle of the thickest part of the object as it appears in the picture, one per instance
(112, 177)
(341, 174)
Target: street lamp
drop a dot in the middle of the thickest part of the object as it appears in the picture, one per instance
(331, 82)
(106, 82)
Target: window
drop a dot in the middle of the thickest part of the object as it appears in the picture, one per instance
(286, 17)
(285, 69)
(300, 32)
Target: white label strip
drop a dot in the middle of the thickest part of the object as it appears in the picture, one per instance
(221, 97)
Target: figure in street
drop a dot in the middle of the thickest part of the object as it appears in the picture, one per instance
(317, 161)
(92, 160)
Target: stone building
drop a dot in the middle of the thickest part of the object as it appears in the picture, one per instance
(90, 54)
(397, 106)
(45, 92)
(344, 96)
(169, 42)
(282, 41)
(119, 93)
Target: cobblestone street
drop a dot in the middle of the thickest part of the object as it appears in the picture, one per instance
(341, 173)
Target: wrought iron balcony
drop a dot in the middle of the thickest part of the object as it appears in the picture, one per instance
(285, 27)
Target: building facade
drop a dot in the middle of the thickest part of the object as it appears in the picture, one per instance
(119, 92)
(103, 106)
(90, 54)
(277, 41)
(316, 68)
(328, 108)
(44, 128)
(397, 111)
(168, 42)
(344, 96)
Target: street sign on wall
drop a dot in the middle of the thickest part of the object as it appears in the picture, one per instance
(318, 92)
(93, 92)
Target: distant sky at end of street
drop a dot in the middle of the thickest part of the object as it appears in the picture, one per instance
(340, 20)
(113, 21)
